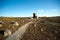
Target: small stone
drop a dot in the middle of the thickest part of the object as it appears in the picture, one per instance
(55, 31)
(54, 37)
(34, 25)
(23, 20)
(42, 30)
(48, 38)
(1, 25)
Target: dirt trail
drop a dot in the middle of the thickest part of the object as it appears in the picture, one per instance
(18, 34)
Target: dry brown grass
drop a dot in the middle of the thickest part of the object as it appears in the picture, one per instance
(7, 21)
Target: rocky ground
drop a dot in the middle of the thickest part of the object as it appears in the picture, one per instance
(43, 28)
(7, 21)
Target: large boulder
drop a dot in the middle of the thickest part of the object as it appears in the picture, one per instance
(13, 24)
(5, 33)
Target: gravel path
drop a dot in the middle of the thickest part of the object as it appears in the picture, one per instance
(18, 34)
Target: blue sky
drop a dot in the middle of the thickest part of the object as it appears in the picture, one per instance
(25, 8)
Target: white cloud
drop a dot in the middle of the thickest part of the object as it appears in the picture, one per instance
(48, 11)
(41, 10)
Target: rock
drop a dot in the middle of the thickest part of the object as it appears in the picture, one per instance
(14, 23)
(7, 33)
(42, 29)
(34, 25)
(1, 23)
